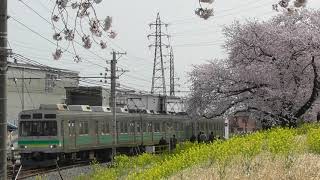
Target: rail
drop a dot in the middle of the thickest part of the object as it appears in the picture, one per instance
(27, 173)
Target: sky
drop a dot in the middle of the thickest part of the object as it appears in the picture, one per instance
(194, 40)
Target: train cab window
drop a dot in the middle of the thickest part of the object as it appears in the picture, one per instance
(38, 128)
(37, 116)
(83, 127)
(150, 127)
(50, 116)
(105, 128)
(25, 116)
(156, 127)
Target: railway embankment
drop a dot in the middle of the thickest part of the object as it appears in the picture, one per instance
(289, 153)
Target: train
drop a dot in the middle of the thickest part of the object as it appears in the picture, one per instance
(58, 133)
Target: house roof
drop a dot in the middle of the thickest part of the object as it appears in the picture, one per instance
(41, 67)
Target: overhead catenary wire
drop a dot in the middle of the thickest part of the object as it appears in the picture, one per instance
(238, 9)
(14, 55)
(33, 10)
(43, 37)
(44, 67)
(58, 29)
(47, 21)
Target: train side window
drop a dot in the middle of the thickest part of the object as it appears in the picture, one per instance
(164, 127)
(121, 127)
(83, 128)
(149, 127)
(105, 128)
(131, 126)
(175, 126)
(125, 127)
(138, 127)
(71, 126)
(37, 116)
(144, 127)
(25, 116)
(180, 126)
(202, 126)
(97, 127)
(156, 127)
(50, 116)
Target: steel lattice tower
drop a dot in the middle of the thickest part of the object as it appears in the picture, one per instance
(158, 77)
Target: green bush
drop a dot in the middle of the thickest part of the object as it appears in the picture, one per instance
(313, 140)
(277, 141)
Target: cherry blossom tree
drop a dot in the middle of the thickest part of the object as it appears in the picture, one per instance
(205, 11)
(72, 18)
(289, 6)
(272, 70)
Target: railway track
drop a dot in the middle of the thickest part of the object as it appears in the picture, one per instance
(31, 172)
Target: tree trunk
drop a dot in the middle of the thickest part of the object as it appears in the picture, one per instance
(314, 94)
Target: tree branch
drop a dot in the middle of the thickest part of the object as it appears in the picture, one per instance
(314, 94)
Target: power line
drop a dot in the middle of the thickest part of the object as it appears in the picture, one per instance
(188, 20)
(74, 41)
(58, 29)
(91, 81)
(35, 32)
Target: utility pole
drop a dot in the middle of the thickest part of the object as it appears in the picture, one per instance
(158, 77)
(22, 90)
(113, 102)
(3, 89)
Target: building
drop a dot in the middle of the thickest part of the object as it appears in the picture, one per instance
(99, 96)
(29, 86)
(153, 102)
(93, 96)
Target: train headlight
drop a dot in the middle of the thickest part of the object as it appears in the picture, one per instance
(23, 147)
(53, 146)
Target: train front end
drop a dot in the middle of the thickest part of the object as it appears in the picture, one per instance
(39, 140)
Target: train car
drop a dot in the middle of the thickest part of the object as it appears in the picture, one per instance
(59, 133)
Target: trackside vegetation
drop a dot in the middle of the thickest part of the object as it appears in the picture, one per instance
(244, 152)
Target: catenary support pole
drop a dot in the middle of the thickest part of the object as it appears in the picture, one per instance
(113, 103)
(3, 89)
(22, 89)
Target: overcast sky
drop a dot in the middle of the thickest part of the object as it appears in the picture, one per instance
(194, 40)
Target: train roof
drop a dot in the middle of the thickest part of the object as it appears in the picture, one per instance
(90, 113)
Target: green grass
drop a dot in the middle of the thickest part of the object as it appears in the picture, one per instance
(278, 143)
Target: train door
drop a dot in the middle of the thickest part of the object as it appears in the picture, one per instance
(132, 132)
(97, 133)
(70, 136)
